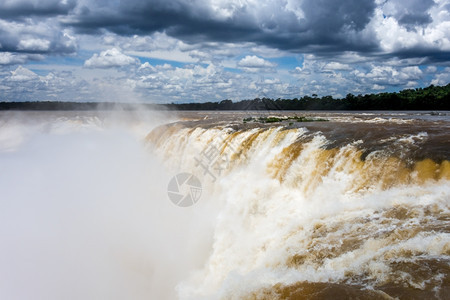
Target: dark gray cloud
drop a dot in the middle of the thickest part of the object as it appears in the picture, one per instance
(428, 55)
(29, 29)
(327, 17)
(410, 13)
(322, 27)
(178, 18)
(27, 8)
(34, 36)
(325, 25)
(284, 48)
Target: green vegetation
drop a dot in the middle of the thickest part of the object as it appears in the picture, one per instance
(429, 98)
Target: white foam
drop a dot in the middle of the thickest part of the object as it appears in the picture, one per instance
(84, 209)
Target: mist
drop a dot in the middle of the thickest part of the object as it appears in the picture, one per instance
(84, 212)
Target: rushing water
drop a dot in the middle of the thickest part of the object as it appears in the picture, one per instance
(354, 207)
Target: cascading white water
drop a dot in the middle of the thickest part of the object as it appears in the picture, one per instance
(293, 212)
(84, 212)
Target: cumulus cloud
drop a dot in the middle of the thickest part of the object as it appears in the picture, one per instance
(7, 58)
(409, 13)
(337, 66)
(431, 69)
(32, 45)
(255, 62)
(22, 84)
(442, 78)
(378, 87)
(160, 83)
(277, 24)
(414, 29)
(201, 50)
(322, 27)
(212, 82)
(390, 76)
(35, 37)
(111, 58)
(22, 74)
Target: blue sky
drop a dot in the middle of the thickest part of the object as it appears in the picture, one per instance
(207, 50)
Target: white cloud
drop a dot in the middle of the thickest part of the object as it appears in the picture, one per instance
(411, 73)
(389, 75)
(255, 64)
(202, 83)
(207, 67)
(36, 35)
(297, 70)
(431, 69)
(442, 78)
(34, 45)
(7, 58)
(394, 36)
(378, 87)
(253, 61)
(157, 45)
(336, 66)
(22, 84)
(146, 67)
(22, 74)
(110, 59)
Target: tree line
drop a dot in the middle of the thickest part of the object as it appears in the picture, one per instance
(429, 98)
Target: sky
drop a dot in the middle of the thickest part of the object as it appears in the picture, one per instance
(164, 51)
